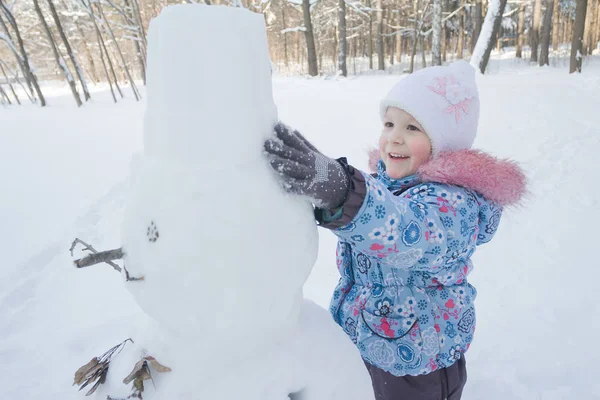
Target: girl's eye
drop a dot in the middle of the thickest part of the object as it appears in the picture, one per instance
(412, 128)
(389, 124)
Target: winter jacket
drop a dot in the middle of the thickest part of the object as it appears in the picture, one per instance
(404, 254)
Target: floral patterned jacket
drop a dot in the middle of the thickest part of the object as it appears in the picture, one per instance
(404, 254)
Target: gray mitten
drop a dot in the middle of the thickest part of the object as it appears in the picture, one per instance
(305, 171)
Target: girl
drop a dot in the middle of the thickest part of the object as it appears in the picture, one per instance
(407, 232)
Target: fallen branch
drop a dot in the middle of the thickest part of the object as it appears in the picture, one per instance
(98, 257)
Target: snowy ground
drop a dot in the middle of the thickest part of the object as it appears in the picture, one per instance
(62, 173)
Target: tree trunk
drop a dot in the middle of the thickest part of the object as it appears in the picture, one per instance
(59, 59)
(334, 48)
(490, 29)
(577, 42)
(70, 52)
(103, 50)
(478, 23)
(423, 60)
(4, 97)
(590, 33)
(12, 89)
(436, 39)
(521, 31)
(398, 44)
(444, 43)
(298, 52)
(597, 30)
(547, 29)
(391, 38)
(310, 40)
(586, 30)
(535, 29)
(284, 27)
(139, 40)
(22, 58)
(88, 53)
(461, 33)
(415, 36)
(342, 44)
(106, 26)
(135, 11)
(380, 53)
(555, 25)
(92, 66)
(370, 38)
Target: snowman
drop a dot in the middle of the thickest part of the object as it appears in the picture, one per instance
(223, 251)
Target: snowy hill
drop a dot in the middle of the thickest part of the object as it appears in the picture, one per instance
(63, 174)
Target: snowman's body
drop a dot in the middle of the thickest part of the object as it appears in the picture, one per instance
(224, 252)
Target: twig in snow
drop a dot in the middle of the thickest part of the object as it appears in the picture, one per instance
(97, 369)
(98, 257)
(84, 262)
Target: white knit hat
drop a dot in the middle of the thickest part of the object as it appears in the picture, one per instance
(444, 100)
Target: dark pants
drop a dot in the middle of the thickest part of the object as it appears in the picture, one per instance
(443, 384)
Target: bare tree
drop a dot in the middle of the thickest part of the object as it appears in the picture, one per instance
(57, 56)
(103, 52)
(70, 52)
(415, 36)
(577, 42)
(342, 37)
(380, 54)
(4, 97)
(370, 37)
(20, 54)
(489, 32)
(12, 89)
(108, 28)
(478, 23)
(521, 31)
(590, 42)
(555, 25)
(436, 41)
(547, 29)
(310, 39)
(139, 40)
(535, 29)
(460, 45)
(284, 30)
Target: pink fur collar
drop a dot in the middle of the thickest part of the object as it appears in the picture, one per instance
(500, 181)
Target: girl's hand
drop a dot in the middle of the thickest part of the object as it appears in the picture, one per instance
(304, 170)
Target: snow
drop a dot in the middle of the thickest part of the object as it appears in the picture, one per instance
(296, 29)
(537, 302)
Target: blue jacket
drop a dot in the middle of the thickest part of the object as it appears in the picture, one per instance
(404, 254)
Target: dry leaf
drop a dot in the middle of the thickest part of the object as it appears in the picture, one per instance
(81, 373)
(93, 389)
(139, 384)
(132, 375)
(157, 366)
(96, 369)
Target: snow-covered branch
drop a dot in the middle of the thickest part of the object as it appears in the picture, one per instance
(296, 29)
(357, 9)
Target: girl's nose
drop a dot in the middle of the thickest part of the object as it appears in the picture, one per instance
(396, 138)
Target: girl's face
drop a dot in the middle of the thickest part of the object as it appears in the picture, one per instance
(404, 145)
